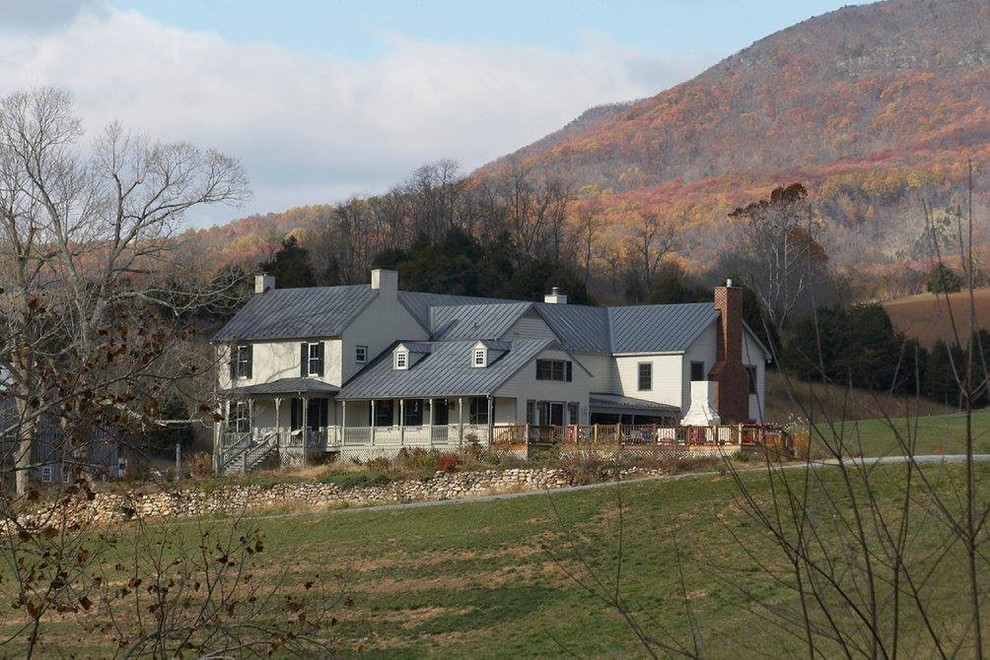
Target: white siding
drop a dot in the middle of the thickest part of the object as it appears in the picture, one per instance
(753, 356)
(601, 368)
(703, 349)
(530, 326)
(524, 386)
(270, 361)
(383, 322)
(667, 376)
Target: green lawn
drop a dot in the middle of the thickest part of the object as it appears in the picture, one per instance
(935, 434)
(507, 578)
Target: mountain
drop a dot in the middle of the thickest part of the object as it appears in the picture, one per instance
(875, 108)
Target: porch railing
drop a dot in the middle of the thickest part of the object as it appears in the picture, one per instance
(627, 435)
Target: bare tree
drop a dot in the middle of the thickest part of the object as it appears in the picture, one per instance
(783, 240)
(88, 262)
(652, 239)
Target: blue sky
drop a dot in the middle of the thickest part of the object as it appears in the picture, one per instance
(325, 100)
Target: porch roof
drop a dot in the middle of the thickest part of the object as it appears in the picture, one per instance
(296, 386)
(445, 371)
(602, 402)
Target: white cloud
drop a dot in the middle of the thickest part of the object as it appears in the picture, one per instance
(312, 129)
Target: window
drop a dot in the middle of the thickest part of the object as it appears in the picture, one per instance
(240, 361)
(47, 473)
(559, 370)
(480, 355)
(240, 417)
(478, 410)
(311, 359)
(697, 371)
(401, 360)
(751, 372)
(645, 381)
(360, 354)
(531, 412)
(551, 413)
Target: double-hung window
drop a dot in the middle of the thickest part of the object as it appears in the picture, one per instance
(311, 358)
(240, 361)
(559, 370)
(645, 377)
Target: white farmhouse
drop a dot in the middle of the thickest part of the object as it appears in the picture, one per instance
(367, 369)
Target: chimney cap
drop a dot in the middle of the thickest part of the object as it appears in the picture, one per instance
(728, 282)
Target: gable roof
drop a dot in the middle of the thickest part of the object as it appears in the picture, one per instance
(445, 371)
(327, 311)
(658, 328)
(418, 303)
(298, 313)
(485, 321)
(580, 327)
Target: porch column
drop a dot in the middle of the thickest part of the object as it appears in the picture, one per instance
(372, 422)
(460, 420)
(429, 421)
(402, 422)
(278, 421)
(491, 418)
(305, 422)
(343, 421)
(251, 417)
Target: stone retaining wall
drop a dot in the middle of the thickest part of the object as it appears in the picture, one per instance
(107, 508)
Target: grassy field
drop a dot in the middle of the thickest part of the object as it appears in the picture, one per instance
(935, 434)
(790, 398)
(926, 316)
(531, 576)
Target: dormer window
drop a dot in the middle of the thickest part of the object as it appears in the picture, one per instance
(402, 359)
(479, 357)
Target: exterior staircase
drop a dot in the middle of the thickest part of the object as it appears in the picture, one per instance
(247, 454)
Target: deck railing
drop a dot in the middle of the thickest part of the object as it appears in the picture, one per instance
(503, 436)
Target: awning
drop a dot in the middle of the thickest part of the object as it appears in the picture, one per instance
(286, 386)
(616, 404)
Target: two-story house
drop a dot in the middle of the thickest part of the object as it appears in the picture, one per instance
(367, 369)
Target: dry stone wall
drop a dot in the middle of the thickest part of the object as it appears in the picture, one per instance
(105, 508)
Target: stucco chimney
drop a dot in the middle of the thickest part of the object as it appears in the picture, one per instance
(263, 283)
(555, 297)
(729, 374)
(386, 281)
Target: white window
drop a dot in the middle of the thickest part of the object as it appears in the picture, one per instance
(401, 360)
(480, 355)
(47, 473)
(240, 417)
(645, 373)
(360, 354)
(314, 359)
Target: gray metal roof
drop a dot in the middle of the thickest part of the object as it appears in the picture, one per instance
(286, 386)
(486, 321)
(580, 328)
(658, 328)
(418, 303)
(603, 402)
(298, 313)
(446, 371)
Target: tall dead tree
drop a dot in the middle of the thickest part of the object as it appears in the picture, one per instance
(92, 281)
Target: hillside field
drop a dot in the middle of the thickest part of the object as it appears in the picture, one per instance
(531, 576)
(928, 318)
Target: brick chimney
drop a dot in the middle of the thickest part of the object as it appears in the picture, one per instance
(729, 374)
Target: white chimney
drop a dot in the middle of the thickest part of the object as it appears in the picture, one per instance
(263, 283)
(386, 281)
(555, 297)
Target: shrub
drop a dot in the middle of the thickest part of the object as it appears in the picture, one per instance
(448, 462)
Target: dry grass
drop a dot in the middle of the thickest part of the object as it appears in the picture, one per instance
(925, 316)
(834, 402)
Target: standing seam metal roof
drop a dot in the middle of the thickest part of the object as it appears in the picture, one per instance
(445, 371)
(298, 313)
(658, 328)
(476, 322)
(580, 328)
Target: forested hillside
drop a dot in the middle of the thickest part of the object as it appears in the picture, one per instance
(877, 110)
